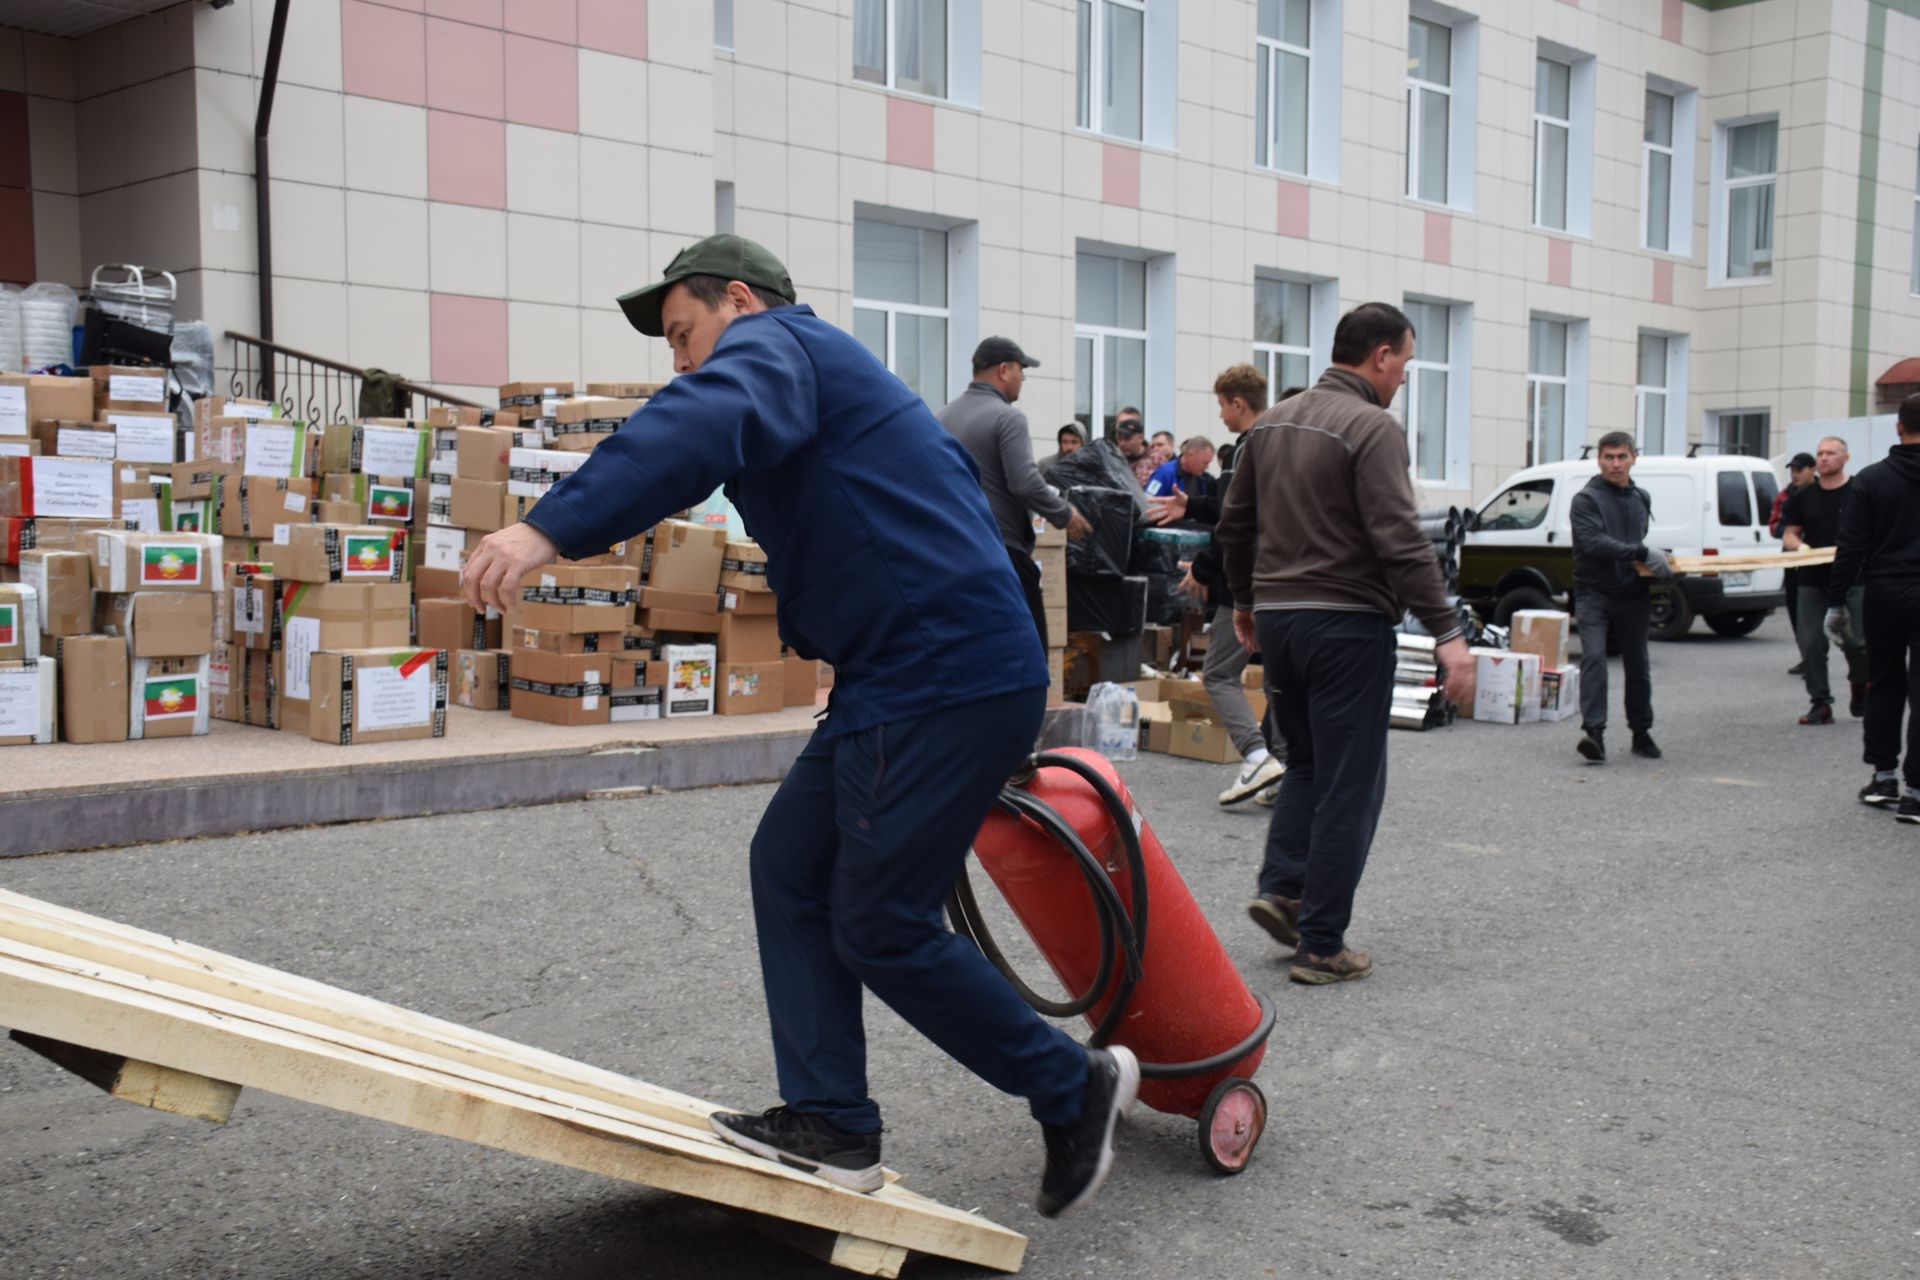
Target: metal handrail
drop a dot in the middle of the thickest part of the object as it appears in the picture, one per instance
(309, 386)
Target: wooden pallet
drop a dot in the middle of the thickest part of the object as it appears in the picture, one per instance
(1745, 562)
(182, 1028)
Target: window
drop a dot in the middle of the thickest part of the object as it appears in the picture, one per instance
(1429, 109)
(1112, 66)
(723, 23)
(900, 310)
(1745, 162)
(1284, 52)
(1546, 391)
(723, 208)
(1650, 400)
(901, 44)
(1552, 141)
(1524, 506)
(1656, 147)
(1109, 339)
(1283, 334)
(1429, 376)
(1742, 432)
(1915, 286)
(1765, 489)
(1736, 499)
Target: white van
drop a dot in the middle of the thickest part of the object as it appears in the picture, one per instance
(1518, 553)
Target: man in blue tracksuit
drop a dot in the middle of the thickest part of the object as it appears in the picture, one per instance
(886, 563)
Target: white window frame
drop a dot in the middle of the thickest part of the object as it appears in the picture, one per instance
(1098, 410)
(1324, 24)
(1673, 428)
(1088, 94)
(1541, 123)
(1648, 150)
(1159, 334)
(1463, 110)
(1573, 427)
(892, 70)
(1458, 367)
(1416, 87)
(1323, 313)
(1720, 222)
(1269, 92)
(963, 288)
(1712, 431)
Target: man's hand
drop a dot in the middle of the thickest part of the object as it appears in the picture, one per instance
(1457, 672)
(1168, 509)
(1840, 627)
(1078, 526)
(491, 576)
(1657, 561)
(1243, 630)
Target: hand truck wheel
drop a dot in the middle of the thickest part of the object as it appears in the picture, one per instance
(1231, 1123)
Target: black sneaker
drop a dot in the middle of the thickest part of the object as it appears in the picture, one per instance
(1857, 703)
(1279, 916)
(1079, 1154)
(1643, 745)
(1593, 745)
(1818, 713)
(1797, 669)
(1909, 810)
(1881, 793)
(809, 1142)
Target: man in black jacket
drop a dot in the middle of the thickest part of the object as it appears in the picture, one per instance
(1879, 547)
(1610, 518)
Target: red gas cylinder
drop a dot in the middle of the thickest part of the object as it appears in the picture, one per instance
(1190, 1002)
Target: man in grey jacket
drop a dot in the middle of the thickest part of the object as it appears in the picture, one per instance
(994, 433)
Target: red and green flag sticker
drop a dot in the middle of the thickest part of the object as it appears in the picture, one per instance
(408, 663)
(172, 696)
(9, 624)
(366, 556)
(390, 502)
(189, 517)
(163, 563)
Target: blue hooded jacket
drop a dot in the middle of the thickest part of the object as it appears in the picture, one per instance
(880, 547)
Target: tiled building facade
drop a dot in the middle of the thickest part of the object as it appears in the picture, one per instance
(1689, 218)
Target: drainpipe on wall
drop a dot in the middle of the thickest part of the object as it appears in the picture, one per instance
(262, 200)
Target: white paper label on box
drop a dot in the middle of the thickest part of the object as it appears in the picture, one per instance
(733, 600)
(444, 547)
(20, 703)
(141, 514)
(137, 388)
(143, 437)
(389, 451)
(220, 677)
(300, 637)
(79, 442)
(272, 450)
(283, 535)
(387, 698)
(13, 411)
(255, 411)
(250, 610)
(14, 448)
(77, 487)
(296, 502)
(33, 573)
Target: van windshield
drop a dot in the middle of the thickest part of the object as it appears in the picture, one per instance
(1524, 506)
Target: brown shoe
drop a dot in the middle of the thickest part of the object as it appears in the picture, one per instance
(1318, 970)
(1279, 916)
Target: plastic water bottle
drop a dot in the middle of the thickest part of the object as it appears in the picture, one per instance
(1116, 721)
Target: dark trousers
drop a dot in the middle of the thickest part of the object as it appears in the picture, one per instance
(1811, 631)
(1331, 672)
(1627, 618)
(1029, 574)
(850, 870)
(1893, 676)
(1790, 583)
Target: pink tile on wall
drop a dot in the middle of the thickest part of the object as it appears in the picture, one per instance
(466, 160)
(910, 133)
(465, 69)
(614, 26)
(1119, 175)
(1560, 262)
(1439, 247)
(16, 163)
(383, 52)
(411, 6)
(469, 339)
(543, 84)
(484, 13)
(1295, 208)
(1671, 19)
(548, 19)
(1663, 282)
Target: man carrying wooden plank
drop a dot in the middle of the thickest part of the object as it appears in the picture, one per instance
(885, 562)
(1812, 518)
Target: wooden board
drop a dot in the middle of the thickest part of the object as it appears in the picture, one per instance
(1745, 562)
(84, 981)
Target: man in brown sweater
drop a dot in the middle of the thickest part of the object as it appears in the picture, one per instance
(1323, 552)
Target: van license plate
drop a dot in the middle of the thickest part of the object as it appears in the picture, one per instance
(1731, 580)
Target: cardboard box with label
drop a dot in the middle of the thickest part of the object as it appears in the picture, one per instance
(642, 702)
(1544, 633)
(80, 488)
(748, 636)
(482, 679)
(1559, 694)
(168, 697)
(743, 567)
(129, 386)
(63, 580)
(29, 398)
(279, 449)
(75, 439)
(19, 622)
(93, 689)
(531, 472)
(580, 425)
(377, 449)
(1194, 733)
(690, 679)
(750, 688)
(251, 617)
(340, 553)
(157, 624)
(341, 616)
(535, 399)
(800, 686)
(480, 453)
(575, 598)
(256, 506)
(27, 697)
(682, 556)
(453, 624)
(694, 612)
(478, 504)
(1052, 563)
(49, 533)
(248, 690)
(562, 688)
(1507, 686)
(378, 695)
(556, 641)
(184, 562)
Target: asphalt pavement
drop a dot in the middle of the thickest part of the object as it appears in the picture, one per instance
(1640, 1020)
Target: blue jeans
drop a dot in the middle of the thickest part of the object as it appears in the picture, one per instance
(1330, 682)
(850, 871)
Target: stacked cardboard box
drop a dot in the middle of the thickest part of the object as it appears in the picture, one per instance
(564, 624)
(1050, 556)
(1545, 633)
(156, 593)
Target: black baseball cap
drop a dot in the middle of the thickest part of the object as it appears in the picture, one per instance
(993, 351)
(728, 257)
(1800, 462)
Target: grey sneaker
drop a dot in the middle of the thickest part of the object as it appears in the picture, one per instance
(1320, 970)
(1079, 1155)
(1253, 779)
(808, 1142)
(1279, 916)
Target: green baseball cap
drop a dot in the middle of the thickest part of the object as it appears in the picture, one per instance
(726, 256)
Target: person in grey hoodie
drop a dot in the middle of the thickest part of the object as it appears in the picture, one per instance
(1610, 518)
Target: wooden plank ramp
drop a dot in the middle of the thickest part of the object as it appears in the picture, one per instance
(184, 1028)
(1745, 561)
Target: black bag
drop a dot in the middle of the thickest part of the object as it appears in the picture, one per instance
(1106, 549)
(1117, 606)
(1098, 466)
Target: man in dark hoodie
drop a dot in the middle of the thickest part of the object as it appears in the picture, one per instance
(1879, 548)
(1610, 519)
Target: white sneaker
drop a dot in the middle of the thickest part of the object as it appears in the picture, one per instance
(1267, 798)
(1253, 779)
